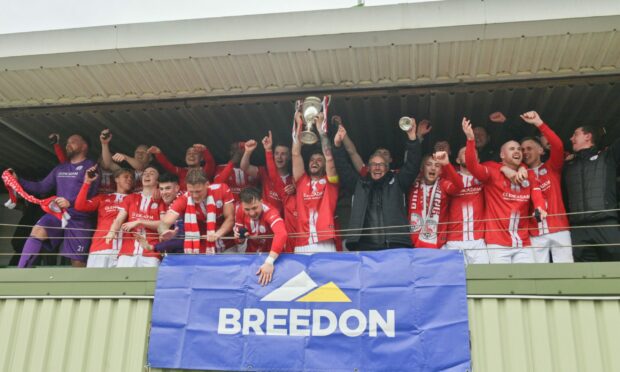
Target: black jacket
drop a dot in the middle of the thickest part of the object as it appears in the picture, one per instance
(590, 180)
(379, 203)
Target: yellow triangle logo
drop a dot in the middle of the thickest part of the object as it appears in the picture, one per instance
(326, 293)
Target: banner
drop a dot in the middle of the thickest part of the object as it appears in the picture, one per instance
(393, 310)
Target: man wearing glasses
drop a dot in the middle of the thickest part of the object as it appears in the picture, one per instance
(378, 209)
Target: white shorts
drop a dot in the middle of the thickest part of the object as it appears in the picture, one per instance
(237, 249)
(322, 246)
(137, 261)
(559, 243)
(502, 254)
(105, 258)
(474, 251)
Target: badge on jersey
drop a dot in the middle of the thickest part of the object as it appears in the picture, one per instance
(429, 230)
(416, 222)
(543, 172)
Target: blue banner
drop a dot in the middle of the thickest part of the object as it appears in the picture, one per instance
(394, 310)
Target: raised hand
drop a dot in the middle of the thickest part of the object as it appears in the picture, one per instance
(532, 117)
(91, 174)
(153, 150)
(54, 138)
(442, 157)
(340, 136)
(199, 147)
(467, 129)
(424, 128)
(250, 145)
(412, 132)
(442, 146)
(119, 158)
(105, 137)
(299, 124)
(497, 117)
(267, 142)
(318, 121)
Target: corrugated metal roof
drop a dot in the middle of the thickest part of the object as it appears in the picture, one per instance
(370, 117)
(268, 72)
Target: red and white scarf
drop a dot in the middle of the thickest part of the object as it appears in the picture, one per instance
(297, 107)
(325, 104)
(48, 205)
(191, 244)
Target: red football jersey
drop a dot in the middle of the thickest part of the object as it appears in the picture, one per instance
(235, 178)
(316, 205)
(289, 202)
(466, 212)
(106, 206)
(221, 196)
(269, 223)
(181, 172)
(549, 176)
(428, 208)
(141, 207)
(270, 195)
(508, 205)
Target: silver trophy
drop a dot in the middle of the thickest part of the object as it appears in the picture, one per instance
(310, 108)
(405, 123)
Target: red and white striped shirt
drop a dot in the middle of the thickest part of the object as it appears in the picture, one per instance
(141, 207)
(508, 205)
(467, 211)
(316, 205)
(235, 178)
(106, 206)
(549, 176)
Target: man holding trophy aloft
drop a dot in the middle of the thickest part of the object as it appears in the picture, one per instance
(317, 189)
(379, 212)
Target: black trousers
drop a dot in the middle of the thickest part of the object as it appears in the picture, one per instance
(596, 234)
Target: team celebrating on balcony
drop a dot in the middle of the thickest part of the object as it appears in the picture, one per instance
(503, 206)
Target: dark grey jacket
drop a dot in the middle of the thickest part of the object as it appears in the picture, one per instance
(590, 179)
(379, 203)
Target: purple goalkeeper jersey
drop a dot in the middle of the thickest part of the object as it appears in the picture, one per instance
(65, 180)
